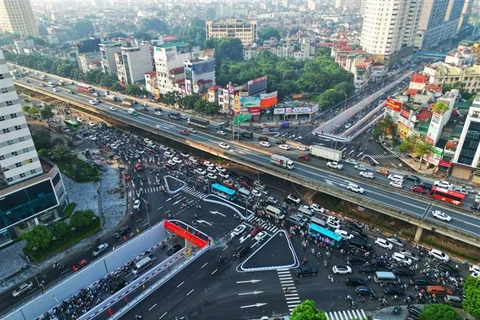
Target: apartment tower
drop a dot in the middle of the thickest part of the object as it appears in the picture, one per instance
(16, 16)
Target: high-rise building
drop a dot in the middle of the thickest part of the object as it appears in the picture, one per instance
(107, 55)
(133, 62)
(16, 16)
(199, 75)
(31, 188)
(245, 30)
(389, 28)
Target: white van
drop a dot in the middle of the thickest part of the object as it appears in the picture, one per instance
(318, 221)
(305, 210)
(386, 276)
(396, 177)
(141, 265)
(274, 212)
(244, 192)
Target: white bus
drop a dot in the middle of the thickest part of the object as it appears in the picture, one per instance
(274, 212)
(318, 221)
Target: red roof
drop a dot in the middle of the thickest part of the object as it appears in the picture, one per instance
(412, 92)
(214, 88)
(176, 70)
(201, 81)
(451, 145)
(433, 87)
(151, 73)
(424, 114)
(419, 78)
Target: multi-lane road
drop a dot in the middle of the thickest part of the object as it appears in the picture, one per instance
(376, 191)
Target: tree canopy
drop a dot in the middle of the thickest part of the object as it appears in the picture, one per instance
(439, 312)
(83, 28)
(471, 303)
(385, 127)
(267, 33)
(153, 25)
(307, 311)
(440, 107)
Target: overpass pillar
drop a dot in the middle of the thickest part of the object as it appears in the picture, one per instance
(418, 234)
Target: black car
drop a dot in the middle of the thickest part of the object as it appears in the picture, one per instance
(353, 226)
(241, 251)
(174, 249)
(122, 232)
(402, 271)
(117, 285)
(355, 281)
(358, 260)
(367, 269)
(421, 281)
(304, 271)
(445, 267)
(358, 234)
(365, 291)
(426, 185)
(475, 206)
(413, 178)
(415, 310)
(394, 290)
(379, 263)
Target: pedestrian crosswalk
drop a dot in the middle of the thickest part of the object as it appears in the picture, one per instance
(194, 192)
(152, 189)
(289, 289)
(264, 224)
(346, 315)
(383, 156)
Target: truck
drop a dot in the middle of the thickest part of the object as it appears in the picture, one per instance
(282, 161)
(246, 134)
(111, 97)
(132, 111)
(127, 102)
(199, 122)
(85, 88)
(326, 153)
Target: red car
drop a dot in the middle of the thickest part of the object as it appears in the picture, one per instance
(184, 132)
(127, 177)
(245, 184)
(418, 189)
(81, 264)
(228, 184)
(255, 231)
(138, 166)
(305, 157)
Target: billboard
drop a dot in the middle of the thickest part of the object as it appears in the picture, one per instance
(257, 85)
(254, 110)
(393, 105)
(268, 100)
(405, 113)
(248, 102)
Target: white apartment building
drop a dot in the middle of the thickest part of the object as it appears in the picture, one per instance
(389, 26)
(133, 62)
(18, 157)
(245, 30)
(199, 75)
(169, 63)
(107, 55)
(16, 16)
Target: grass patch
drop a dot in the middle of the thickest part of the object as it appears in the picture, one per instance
(68, 210)
(75, 237)
(78, 170)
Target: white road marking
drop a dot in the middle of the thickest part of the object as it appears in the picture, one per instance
(150, 309)
(180, 284)
(203, 266)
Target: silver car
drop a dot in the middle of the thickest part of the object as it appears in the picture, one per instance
(23, 288)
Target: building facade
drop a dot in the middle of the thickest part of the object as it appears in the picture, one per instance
(132, 63)
(107, 55)
(245, 30)
(389, 28)
(199, 75)
(31, 188)
(16, 16)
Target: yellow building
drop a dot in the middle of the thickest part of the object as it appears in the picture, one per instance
(444, 74)
(245, 30)
(16, 16)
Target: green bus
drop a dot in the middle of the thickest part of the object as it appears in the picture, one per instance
(71, 124)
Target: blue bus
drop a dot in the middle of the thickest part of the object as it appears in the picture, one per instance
(325, 235)
(222, 191)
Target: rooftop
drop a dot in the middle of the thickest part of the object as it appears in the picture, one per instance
(173, 44)
(424, 115)
(419, 78)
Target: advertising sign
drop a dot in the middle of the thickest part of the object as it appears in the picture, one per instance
(279, 111)
(393, 105)
(444, 163)
(257, 85)
(247, 102)
(254, 110)
(405, 113)
(402, 130)
(268, 100)
(302, 110)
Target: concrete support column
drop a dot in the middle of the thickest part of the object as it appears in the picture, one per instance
(418, 234)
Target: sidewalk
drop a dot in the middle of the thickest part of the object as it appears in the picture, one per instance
(86, 196)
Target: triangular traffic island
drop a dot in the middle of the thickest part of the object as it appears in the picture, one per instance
(277, 252)
(173, 185)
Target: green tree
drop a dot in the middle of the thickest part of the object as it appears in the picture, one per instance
(385, 127)
(133, 90)
(407, 146)
(439, 312)
(421, 149)
(471, 303)
(60, 231)
(307, 311)
(143, 36)
(200, 106)
(60, 153)
(440, 107)
(39, 238)
(82, 219)
(46, 113)
(109, 80)
(211, 109)
(267, 33)
(42, 140)
(33, 112)
(153, 25)
(188, 102)
(94, 76)
(64, 69)
(170, 98)
(26, 109)
(117, 87)
(226, 49)
(83, 28)
(471, 99)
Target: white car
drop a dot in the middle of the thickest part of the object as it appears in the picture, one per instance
(101, 248)
(360, 167)
(223, 175)
(292, 198)
(176, 160)
(147, 141)
(334, 165)
(200, 172)
(113, 109)
(396, 177)
(383, 243)
(440, 215)
(344, 234)
(396, 184)
(256, 193)
(342, 269)
(265, 144)
(224, 145)
(239, 230)
(192, 159)
(437, 254)
(261, 236)
(474, 269)
(221, 133)
(211, 176)
(409, 254)
(355, 188)
(351, 161)
(443, 184)
(315, 207)
(284, 146)
(55, 90)
(399, 257)
(396, 241)
(136, 204)
(23, 288)
(333, 222)
(92, 124)
(158, 113)
(367, 174)
(208, 164)
(191, 130)
(211, 169)
(302, 148)
(93, 102)
(168, 154)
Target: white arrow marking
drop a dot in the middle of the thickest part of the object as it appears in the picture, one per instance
(160, 208)
(254, 305)
(329, 181)
(176, 202)
(248, 293)
(216, 212)
(203, 221)
(249, 281)
(242, 239)
(168, 199)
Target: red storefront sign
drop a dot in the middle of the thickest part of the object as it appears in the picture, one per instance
(254, 110)
(444, 163)
(393, 105)
(405, 113)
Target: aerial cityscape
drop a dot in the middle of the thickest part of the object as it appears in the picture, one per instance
(240, 160)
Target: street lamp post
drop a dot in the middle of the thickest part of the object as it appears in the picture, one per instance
(148, 213)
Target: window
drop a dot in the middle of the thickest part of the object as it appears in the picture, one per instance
(21, 138)
(2, 118)
(33, 171)
(13, 115)
(29, 161)
(18, 164)
(6, 130)
(22, 175)
(18, 128)
(9, 103)
(10, 142)
(25, 149)
(2, 157)
(14, 153)
(1, 76)
(9, 179)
